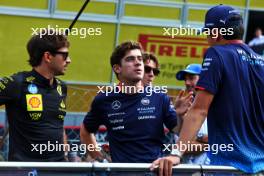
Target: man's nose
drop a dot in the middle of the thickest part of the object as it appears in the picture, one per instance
(187, 82)
(151, 73)
(138, 62)
(68, 60)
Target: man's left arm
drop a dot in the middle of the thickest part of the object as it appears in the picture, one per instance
(191, 124)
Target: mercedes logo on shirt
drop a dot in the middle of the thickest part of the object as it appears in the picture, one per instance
(116, 105)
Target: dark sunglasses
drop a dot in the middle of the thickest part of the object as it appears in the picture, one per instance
(65, 55)
(148, 69)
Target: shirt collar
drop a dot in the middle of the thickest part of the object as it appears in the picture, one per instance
(42, 80)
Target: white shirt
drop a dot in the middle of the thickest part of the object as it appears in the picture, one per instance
(203, 130)
(257, 41)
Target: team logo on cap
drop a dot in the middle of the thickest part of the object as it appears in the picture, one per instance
(222, 21)
(116, 105)
(145, 101)
(34, 102)
(32, 88)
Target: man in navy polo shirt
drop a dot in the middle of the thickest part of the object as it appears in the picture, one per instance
(230, 93)
(134, 119)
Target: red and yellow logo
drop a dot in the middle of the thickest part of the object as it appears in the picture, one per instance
(34, 102)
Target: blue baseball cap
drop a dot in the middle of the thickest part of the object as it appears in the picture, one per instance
(222, 16)
(194, 69)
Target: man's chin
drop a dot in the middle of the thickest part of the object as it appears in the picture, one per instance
(60, 74)
(148, 83)
(190, 89)
(137, 78)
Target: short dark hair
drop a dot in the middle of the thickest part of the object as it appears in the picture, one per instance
(121, 50)
(50, 41)
(236, 23)
(150, 56)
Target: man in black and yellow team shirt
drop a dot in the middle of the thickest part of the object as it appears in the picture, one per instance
(35, 101)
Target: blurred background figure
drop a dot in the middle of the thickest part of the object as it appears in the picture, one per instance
(190, 75)
(151, 67)
(257, 43)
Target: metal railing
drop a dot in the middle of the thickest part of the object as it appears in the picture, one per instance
(65, 168)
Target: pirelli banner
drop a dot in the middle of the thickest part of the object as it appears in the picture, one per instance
(174, 53)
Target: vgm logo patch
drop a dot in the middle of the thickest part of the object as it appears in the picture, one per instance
(34, 102)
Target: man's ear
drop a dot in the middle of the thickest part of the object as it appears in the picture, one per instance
(117, 68)
(46, 57)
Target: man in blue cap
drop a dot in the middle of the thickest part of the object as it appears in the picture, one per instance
(230, 94)
(190, 76)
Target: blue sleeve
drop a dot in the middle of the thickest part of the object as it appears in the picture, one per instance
(92, 120)
(170, 116)
(211, 74)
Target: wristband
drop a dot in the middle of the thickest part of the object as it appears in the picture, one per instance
(176, 152)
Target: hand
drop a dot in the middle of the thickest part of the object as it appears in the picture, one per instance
(165, 165)
(183, 103)
(96, 156)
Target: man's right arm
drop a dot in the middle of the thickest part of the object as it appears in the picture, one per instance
(90, 125)
(8, 90)
(89, 139)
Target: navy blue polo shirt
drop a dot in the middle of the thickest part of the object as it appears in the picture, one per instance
(234, 74)
(134, 124)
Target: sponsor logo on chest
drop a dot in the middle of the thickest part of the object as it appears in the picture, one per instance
(34, 102)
